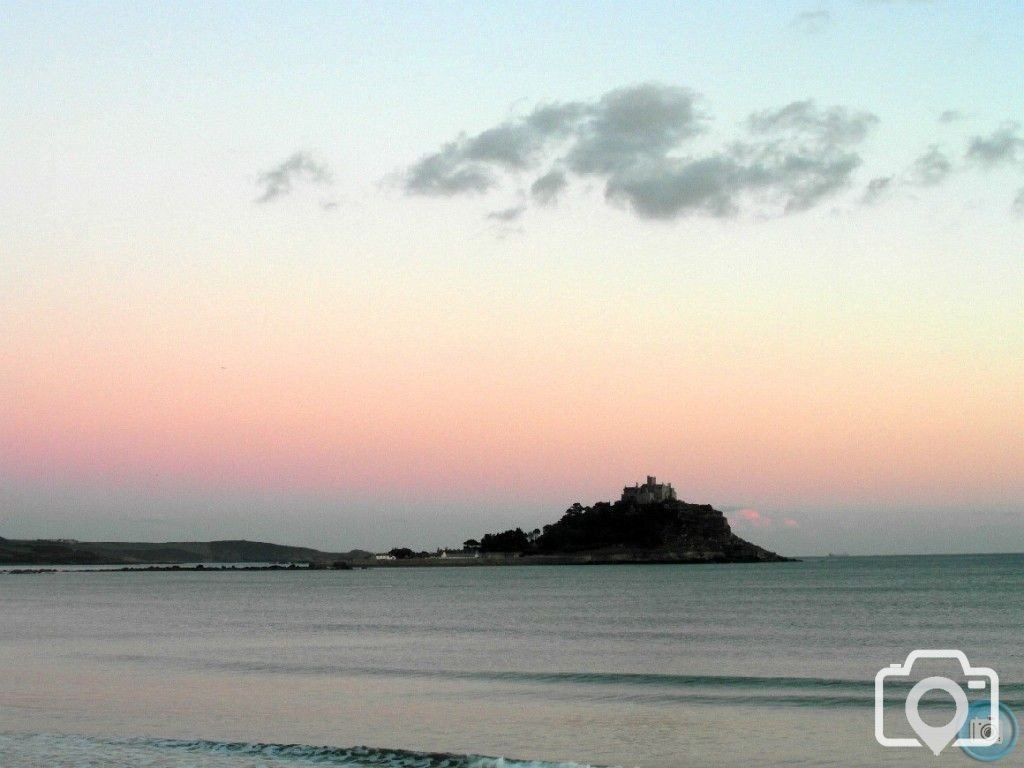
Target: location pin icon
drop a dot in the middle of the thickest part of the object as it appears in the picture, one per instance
(936, 739)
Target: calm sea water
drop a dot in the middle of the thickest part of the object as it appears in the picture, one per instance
(624, 665)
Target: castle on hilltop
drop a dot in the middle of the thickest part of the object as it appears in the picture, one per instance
(650, 492)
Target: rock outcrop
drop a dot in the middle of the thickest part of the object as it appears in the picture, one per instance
(627, 531)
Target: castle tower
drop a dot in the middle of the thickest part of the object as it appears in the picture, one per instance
(651, 492)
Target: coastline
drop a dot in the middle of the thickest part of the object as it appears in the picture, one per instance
(525, 562)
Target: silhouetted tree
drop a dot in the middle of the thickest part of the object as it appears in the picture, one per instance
(507, 541)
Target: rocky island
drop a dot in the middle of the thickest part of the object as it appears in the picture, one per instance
(648, 524)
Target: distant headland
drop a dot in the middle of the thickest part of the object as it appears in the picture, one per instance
(72, 552)
(648, 524)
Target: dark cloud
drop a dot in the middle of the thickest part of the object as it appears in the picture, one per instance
(795, 158)
(617, 130)
(876, 189)
(812, 22)
(785, 176)
(1005, 145)
(834, 127)
(951, 116)
(633, 139)
(508, 214)
(302, 167)
(467, 164)
(930, 169)
(547, 188)
(631, 125)
(510, 145)
(556, 119)
(448, 173)
(669, 188)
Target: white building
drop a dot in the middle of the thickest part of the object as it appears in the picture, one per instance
(458, 554)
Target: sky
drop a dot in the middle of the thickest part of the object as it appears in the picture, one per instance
(378, 274)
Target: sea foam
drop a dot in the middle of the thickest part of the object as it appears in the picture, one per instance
(47, 750)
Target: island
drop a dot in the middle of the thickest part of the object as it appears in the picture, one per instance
(648, 524)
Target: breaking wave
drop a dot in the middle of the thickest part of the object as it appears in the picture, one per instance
(58, 751)
(622, 687)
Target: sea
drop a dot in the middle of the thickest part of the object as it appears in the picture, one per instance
(626, 665)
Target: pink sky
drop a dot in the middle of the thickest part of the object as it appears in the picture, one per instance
(306, 388)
